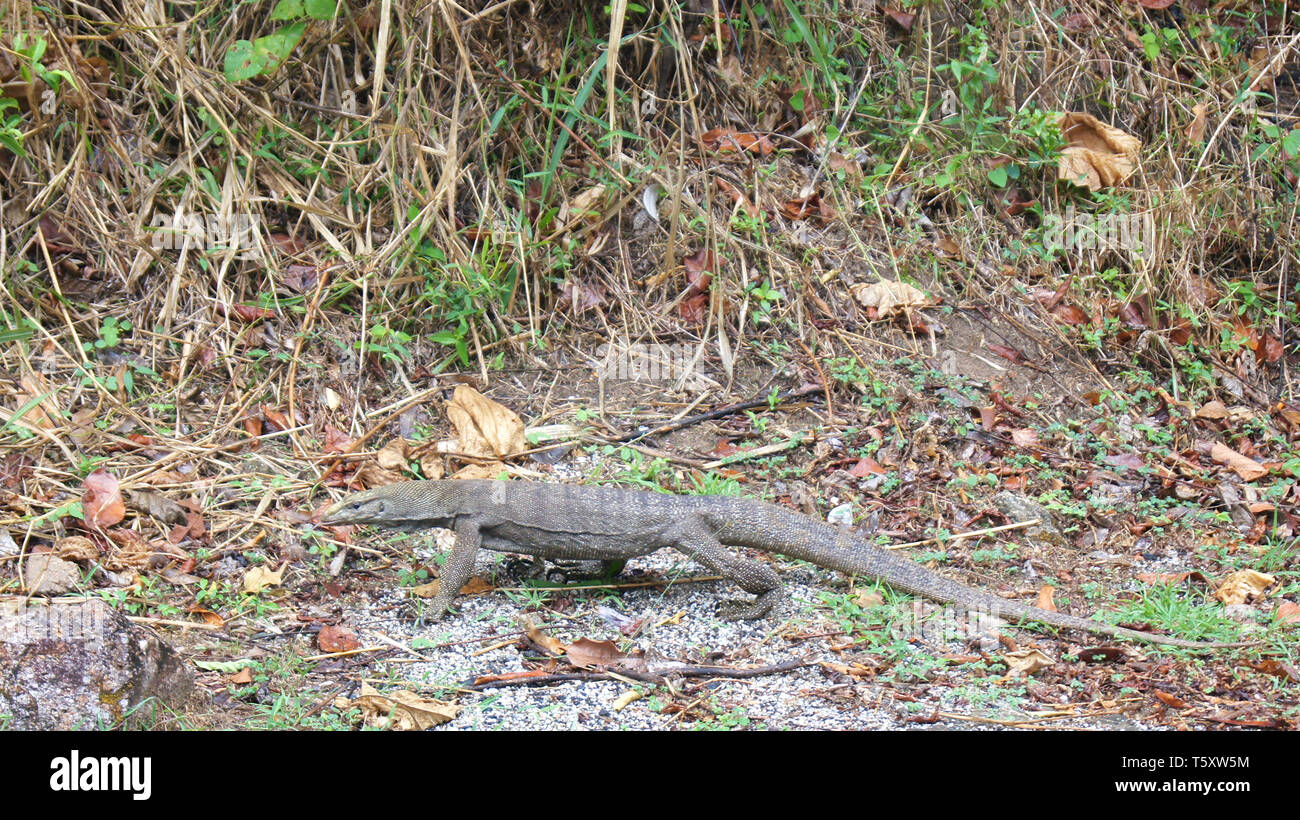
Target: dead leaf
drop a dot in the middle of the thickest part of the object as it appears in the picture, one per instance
(582, 208)
(1243, 585)
(101, 503)
(724, 140)
(585, 653)
(372, 475)
(888, 297)
(491, 470)
(483, 427)
(1025, 662)
(1196, 130)
(1213, 410)
(401, 710)
(1097, 155)
(1247, 468)
(337, 639)
(549, 644)
(158, 506)
(394, 454)
(1288, 613)
(45, 411)
(1025, 437)
(76, 548)
(431, 466)
(1045, 598)
(259, 578)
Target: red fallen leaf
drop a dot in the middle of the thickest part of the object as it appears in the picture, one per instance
(1075, 23)
(1132, 461)
(1135, 314)
(1025, 437)
(988, 417)
(287, 245)
(337, 639)
(244, 313)
(55, 239)
(1016, 202)
(585, 653)
(736, 196)
(531, 673)
(1165, 697)
(694, 309)
(1180, 332)
(301, 278)
(253, 426)
(242, 677)
(903, 19)
(1270, 349)
(101, 503)
(1008, 353)
(1288, 613)
(1171, 578)
(724, 448)
(209, 617)
(336, 441)
(806, 208)
(1045, 598)
(1069, 315)
(275, 418)
(701, 264)
(867, 466)
(724, 140)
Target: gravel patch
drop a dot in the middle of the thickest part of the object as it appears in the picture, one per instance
(681, 625)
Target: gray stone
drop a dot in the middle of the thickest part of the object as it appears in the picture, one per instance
(83, 665)
(45, 574)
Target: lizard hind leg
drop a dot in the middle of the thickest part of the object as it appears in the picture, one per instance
(697, 542)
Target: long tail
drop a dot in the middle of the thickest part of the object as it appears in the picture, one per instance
(835, 549)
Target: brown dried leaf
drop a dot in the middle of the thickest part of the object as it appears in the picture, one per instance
(1196, 129)
(1046, 597)
(76, 548)
(585, 653)
(1243, 585)
(259, 578)
(158, 506)
(402, 710)
(1288, 613)
(1025, 662)
(1247, 468)
(394, 454)
(1097, 155)
(337, 639)
(102, 502)
(889, 296)
(548, 643)
(483, 427)
(724, 140)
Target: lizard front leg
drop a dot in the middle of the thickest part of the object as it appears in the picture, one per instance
(697, 541)
(460, 564)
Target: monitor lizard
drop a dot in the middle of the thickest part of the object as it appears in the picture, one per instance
(565, 521)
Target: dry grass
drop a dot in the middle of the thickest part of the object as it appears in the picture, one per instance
(428, 175)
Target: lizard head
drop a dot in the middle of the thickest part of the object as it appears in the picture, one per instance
(359, 508)
(405, 505)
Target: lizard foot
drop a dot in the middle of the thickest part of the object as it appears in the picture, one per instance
(738, 610)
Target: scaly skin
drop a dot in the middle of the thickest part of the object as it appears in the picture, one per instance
(565, 521)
